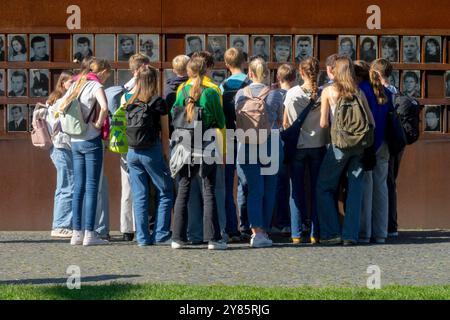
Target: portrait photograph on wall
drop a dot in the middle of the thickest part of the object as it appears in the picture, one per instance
(368, 48)
(261, 46)
(2, 47)
(105, 46)
(149, 45)
(282, 48)
(111, 81)
(447, 84)
(2, 82)
(82, 46)
(126, 46)
(240, 41)
(39, 83)
(194, 43)
(17, 83)
(411, 49)
(432, 118)
(347, 46)
(304, 47)
(123, 76)
(433, 49)
(17, 118)
(394, 79)
(218, 76)
(39, 47)
(31, 109)
(17, 47)
(411, 83)
(217, 45)
(390, 48)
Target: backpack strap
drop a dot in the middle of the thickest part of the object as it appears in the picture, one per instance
(264, 93)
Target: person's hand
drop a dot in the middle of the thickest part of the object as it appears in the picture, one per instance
(97, 125)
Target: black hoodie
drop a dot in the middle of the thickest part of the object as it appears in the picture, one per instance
(170, 93)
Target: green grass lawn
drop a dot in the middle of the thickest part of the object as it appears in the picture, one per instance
(217, 292)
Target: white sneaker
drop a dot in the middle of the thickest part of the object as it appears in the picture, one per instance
(260, 240)
(77, 238)
(91, 238)
(177, 245)
(61, 233)
(217, 245)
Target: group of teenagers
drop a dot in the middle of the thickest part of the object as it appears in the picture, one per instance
(194, 202)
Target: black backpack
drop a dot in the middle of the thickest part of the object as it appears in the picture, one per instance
(229, 104)
(142, 129)
(408, 111)
(179, 113)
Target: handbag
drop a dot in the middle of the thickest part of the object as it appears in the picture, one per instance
(290, 135)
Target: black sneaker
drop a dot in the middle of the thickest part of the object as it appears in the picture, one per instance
(349, 243)
(246, 235)
(128, 236)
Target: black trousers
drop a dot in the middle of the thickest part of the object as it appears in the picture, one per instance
(211, 229)
(394, 166)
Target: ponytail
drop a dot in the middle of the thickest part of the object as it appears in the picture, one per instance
(310, 68)
(379, 68)
(196, 69)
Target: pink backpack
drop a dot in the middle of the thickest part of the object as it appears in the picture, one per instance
(40, 137)
(252, 115)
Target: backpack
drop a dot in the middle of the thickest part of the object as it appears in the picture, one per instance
(351, 127)
(252, 114)
(141, 129)
(72, 120)
(118, 142)
(229, 109)
(40, 136)
(408, 110)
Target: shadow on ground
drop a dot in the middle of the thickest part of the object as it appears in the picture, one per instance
(62, 281)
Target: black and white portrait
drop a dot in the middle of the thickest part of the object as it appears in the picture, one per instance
(2, 47)
(240, 42)
(82, 45)
(368, 48)
(447, 84)
(17, 47)
(304, 47)
(17, 118)
(432, 118)
(2, 82)
(261, 46)
(168, 75)
(411, 49)
(347, 46)
(105, 46)
(390, 48)
(149, 45)
(217, 45)
(39, 83)
(39, 47)
(30, 116)
(17, 83)
(218, 76)
(411, 83)
(126, 46)
(433, 49)
(394, 79)
(323, 78)
(123, 76)
(111, 81)
(282, 48)
(194, 43)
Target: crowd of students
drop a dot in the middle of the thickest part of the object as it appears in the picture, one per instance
(194, 201)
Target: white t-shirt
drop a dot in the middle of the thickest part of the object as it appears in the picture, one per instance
(311, 134)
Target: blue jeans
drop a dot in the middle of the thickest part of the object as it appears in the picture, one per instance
(62, 208)
(282, 212)
(335, 163)
(195, 205)
(311, 158)
(87, 165)
(144, 165)
(242, 194)
(261, 195)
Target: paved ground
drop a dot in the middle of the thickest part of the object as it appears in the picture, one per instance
(416, 258)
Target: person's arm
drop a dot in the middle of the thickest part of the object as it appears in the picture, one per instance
(325, 109)
(286, 123)
(165, 136)
(101, 99)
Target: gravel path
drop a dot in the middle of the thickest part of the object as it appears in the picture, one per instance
(415, 258)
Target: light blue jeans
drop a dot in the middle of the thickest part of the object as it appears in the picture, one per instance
(195, 205)
(62, 208)
(375, 205)
(337, 162)
(143, 166)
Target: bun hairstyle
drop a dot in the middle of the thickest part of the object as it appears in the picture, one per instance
(311, 68)
(196, 69)
(259, 68)
(146, 84)
(94, 65)
(380, 68)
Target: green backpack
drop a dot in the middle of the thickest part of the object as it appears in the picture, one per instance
(351, 127)
(118, 142)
